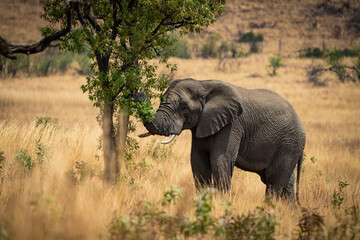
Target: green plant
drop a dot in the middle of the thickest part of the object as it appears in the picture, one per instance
(63, 60)
(3, 233)
(313, 159)
(339, 196)
(28, 161)
(335, 60)
(312, 52)
(46, 121)
(25, 160)
(42, 152)
(170, 196)
(10, 67)
(209, 48)
(203, 209)
(159, 151)
(152, 222)
(149, 223)
(131, 146)
(257, 224)
(347, 226)
(122, 39)
(275, 64)
(310, 226)
(80, 172)
(251, 37)
(181, 49)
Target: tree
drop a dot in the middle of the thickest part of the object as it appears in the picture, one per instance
(122, 37)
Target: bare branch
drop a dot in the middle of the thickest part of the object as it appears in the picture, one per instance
(8, 50)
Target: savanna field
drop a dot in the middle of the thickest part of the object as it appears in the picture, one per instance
(51, 163)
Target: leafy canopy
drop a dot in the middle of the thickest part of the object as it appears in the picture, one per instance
(123, 38)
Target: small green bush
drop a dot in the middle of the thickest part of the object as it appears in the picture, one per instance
(338, 196)
(11, 67)
(46, 121)
(347, 226)
(209, 48)
(181, 49)
(25, 160)
(311, 52)
(51, 61)
(251, 37)
(28, 161)
(152, 222)
(275, 63)
(310, 226)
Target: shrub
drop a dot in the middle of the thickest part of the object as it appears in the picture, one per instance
(230, 49)
(251, 37)
(28, 161)
(254, 225)
(338, 196)
(80, 172)
(312, 52)
(11, 68)
(181, 49)
(25, 160)
(51, 61)
(275, 63)
(209, 48)
(46, 121)
(311, 225)
(152, 222)
(347, 226)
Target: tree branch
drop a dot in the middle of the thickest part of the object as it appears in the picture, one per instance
(8, 50)
(116, 20)
(89, 15)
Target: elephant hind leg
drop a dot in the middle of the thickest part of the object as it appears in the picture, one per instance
(287, 192)
(280, 192)
(280, 178)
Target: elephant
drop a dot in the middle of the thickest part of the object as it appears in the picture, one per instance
(255, 130)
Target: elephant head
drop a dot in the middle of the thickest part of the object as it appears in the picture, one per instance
(205, 107)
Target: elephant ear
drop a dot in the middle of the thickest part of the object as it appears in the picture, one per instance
(222, 105)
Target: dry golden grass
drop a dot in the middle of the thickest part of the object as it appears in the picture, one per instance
(48, 203)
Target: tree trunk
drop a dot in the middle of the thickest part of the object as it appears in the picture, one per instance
(111, 164)
(121, 135)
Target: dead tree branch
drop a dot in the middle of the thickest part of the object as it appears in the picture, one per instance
(8, 50)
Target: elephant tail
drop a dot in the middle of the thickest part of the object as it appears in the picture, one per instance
(298, 178)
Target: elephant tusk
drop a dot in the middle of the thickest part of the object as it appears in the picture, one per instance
(169, 140)
(144, 135)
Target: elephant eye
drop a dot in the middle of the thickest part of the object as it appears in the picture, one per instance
(184, 106)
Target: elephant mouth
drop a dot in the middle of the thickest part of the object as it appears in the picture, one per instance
(153, 130)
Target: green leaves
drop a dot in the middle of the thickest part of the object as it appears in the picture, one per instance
(123, 38)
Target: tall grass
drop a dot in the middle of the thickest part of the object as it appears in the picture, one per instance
(64, 195)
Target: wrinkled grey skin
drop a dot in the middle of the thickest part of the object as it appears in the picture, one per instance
(254, 130)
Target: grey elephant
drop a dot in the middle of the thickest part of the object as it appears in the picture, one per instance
(254, 130)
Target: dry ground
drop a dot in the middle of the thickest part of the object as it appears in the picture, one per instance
(47, 204)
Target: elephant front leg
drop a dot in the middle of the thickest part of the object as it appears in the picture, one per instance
(201, 168)
(222, 170)
(224, 151)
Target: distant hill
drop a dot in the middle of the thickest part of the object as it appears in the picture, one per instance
(285, 24)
